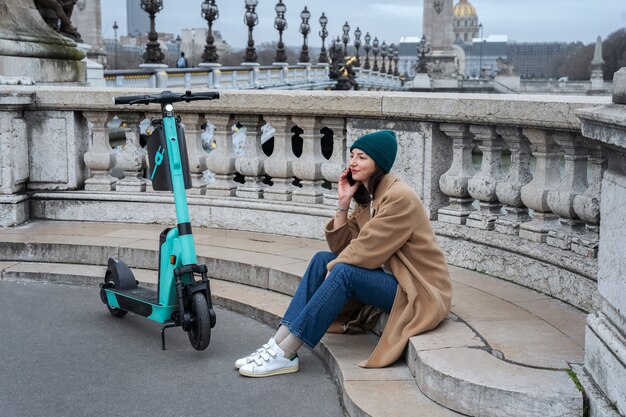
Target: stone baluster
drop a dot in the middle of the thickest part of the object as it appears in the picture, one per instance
(100, 158)
(545, 179)
(308, 168)
(332, 169)
(132, 158)
(221, 161)
(279, 164)
(250, 164)
(195, 152)
(482, 186)
(587, 206)
(573, 183)
(509, 191)
(454, 182)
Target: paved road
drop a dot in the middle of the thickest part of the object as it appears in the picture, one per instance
(63, 354)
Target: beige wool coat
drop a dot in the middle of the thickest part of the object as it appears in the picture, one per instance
(400, 236)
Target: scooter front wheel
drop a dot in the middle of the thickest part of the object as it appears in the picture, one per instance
(115, 312)
(200, 332)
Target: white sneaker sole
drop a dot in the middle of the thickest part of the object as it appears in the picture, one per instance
(280, 371)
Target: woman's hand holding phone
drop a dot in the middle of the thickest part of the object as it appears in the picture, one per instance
(346, 187)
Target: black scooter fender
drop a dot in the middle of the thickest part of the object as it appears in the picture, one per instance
(121, 275)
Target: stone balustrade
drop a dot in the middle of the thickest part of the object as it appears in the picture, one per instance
(513, 185)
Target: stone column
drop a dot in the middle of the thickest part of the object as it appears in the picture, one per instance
(132, 158)
(221, 161)
(545, 179)
(197, 155)
(482, 186)
(509, 191)
(587, 205)
(250, 164)
(100, 158)
(573, 183)
(605, 343)
(279, 164)
(308, 168)
(332, 169)
(454, 182)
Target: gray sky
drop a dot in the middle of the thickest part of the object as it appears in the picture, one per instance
(521, 20)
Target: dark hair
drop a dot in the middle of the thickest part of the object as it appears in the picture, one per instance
(362, 194)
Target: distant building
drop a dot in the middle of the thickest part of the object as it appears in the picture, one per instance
(137, 21)
(465, 23)
(486, 52)
(533, 60)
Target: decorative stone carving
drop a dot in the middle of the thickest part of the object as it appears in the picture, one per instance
(545, 179)
(573, 183)
(221, 161)
(100, 158)
(332, 169)
(509, 191)
(132, 157)
(250, 164)
(454, 182)
(279, 164)
(482, 186)
(197, 155)
(308, 168)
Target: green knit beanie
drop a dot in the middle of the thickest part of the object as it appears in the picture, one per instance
(381, 146)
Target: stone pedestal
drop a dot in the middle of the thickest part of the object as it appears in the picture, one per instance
(605, 339)
(422, 81)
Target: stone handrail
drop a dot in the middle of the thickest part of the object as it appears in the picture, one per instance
(535, 223)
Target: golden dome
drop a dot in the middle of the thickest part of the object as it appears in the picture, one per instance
(464, 10)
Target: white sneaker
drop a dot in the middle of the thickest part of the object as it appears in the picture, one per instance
(270, 362)
(241, 362)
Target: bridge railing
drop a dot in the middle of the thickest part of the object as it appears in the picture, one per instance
(301, 77)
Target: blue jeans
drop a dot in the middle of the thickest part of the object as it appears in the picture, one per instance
(317, 301)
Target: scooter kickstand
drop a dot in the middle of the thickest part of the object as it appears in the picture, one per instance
(167, 326)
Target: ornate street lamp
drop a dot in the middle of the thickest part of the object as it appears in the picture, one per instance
(396, 57)
(422, 50)
(357, 45)
(153, 54)
(305, 28)
(375, 51)
(280, 24)
(390, 55)
(323, 34)
(250, 19)
(345, 38)
(367, 47)
(115, 28)
(210, 13)
(383, 54)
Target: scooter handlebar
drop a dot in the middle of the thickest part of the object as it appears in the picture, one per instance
(167, 97)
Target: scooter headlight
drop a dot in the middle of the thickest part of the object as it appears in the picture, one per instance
(169, 107)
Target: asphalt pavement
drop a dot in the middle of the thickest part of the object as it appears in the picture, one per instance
(63, 354)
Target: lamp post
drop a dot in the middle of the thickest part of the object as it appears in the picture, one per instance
(280, 24)
(250, 19)
(305, 28)
(179, 41)
(422, 50)
(383, 54)
(345, 38)
(323, 34)
(390, 53)
(115, 27)
(368, 38)
(375, 52)
(210, 13)
(396, 58)
(480, 65)
(153, 54)
(357, 45)
(193, 47)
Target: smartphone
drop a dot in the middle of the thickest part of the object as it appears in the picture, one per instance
(351, 180)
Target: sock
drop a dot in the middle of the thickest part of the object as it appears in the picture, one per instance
(290, 346)
(281, 334)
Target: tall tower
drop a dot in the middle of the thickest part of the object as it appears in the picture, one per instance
(137, 21)
(87, 17)
(465, 22)
(438, 21)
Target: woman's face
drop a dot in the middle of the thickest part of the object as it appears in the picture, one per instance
(361, 166)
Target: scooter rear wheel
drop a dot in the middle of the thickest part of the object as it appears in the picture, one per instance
(115, 312)
(200, 332)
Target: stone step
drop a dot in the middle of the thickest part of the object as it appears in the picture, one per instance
(388, 392)
(519, 336)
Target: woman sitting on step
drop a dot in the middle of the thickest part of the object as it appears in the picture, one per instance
(384, 257)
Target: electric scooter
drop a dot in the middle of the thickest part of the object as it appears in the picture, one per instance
(180, 299)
